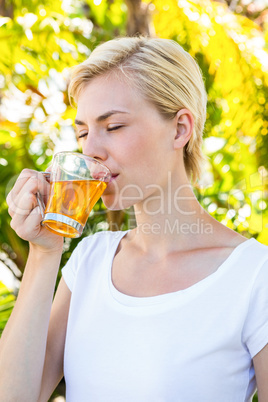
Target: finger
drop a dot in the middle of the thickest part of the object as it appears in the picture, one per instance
(26, 213)
(20, 182)
(23, 204)
(49, 169)
(43, 195)
(25, 200)
(27, 227)
(31, 182)
(24, 176)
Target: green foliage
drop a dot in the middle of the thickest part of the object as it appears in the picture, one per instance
(7, 301)
(41, 41)
(230, 50)
(38, 47)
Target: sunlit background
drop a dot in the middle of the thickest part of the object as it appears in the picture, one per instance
(41, 41)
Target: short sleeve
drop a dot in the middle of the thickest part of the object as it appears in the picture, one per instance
(255, 332)
(69, 271)
(87, 253)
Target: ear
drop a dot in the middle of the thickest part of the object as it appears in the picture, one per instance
(184, 128)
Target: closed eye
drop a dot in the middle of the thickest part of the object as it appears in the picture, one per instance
(113, 128)
(109, 129)
(82, 135)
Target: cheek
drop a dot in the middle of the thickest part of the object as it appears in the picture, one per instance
(144, 166)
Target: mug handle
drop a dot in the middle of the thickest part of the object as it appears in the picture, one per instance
(39, 196)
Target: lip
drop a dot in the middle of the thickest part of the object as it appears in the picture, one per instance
(114, 176)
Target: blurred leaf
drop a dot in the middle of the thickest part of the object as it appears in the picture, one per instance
(7, 301)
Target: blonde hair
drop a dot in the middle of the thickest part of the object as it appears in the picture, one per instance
(164, 73)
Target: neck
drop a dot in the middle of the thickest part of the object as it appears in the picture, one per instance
(172, 220)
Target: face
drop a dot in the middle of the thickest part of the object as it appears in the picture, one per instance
(117, 126)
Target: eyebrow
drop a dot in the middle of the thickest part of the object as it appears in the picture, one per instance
(101, 117)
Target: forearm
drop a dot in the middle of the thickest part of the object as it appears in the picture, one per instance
(23, 343)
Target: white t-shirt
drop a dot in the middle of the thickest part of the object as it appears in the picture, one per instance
(192, 345)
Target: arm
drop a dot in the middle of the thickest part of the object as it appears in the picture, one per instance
(24, 340)
(53, 367)
(260, 361)
(23, 343)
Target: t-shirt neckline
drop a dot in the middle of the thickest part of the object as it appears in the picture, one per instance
(184, 294)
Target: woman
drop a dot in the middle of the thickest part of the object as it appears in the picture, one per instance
(166, 311)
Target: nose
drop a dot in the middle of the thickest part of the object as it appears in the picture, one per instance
(93, 146)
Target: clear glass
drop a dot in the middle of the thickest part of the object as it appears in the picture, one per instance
(77, 182)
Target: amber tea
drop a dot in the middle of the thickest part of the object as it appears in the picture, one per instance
(73, 199)
(77, 181)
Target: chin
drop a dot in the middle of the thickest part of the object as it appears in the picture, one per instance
(114, 204)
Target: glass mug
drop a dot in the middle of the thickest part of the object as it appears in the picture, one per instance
(77, 182)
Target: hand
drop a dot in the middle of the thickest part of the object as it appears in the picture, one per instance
(25, 211)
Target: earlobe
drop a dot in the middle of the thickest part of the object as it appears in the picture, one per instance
(184, 129)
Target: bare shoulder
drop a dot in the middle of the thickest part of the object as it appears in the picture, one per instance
(217, 246)
(224, 237)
